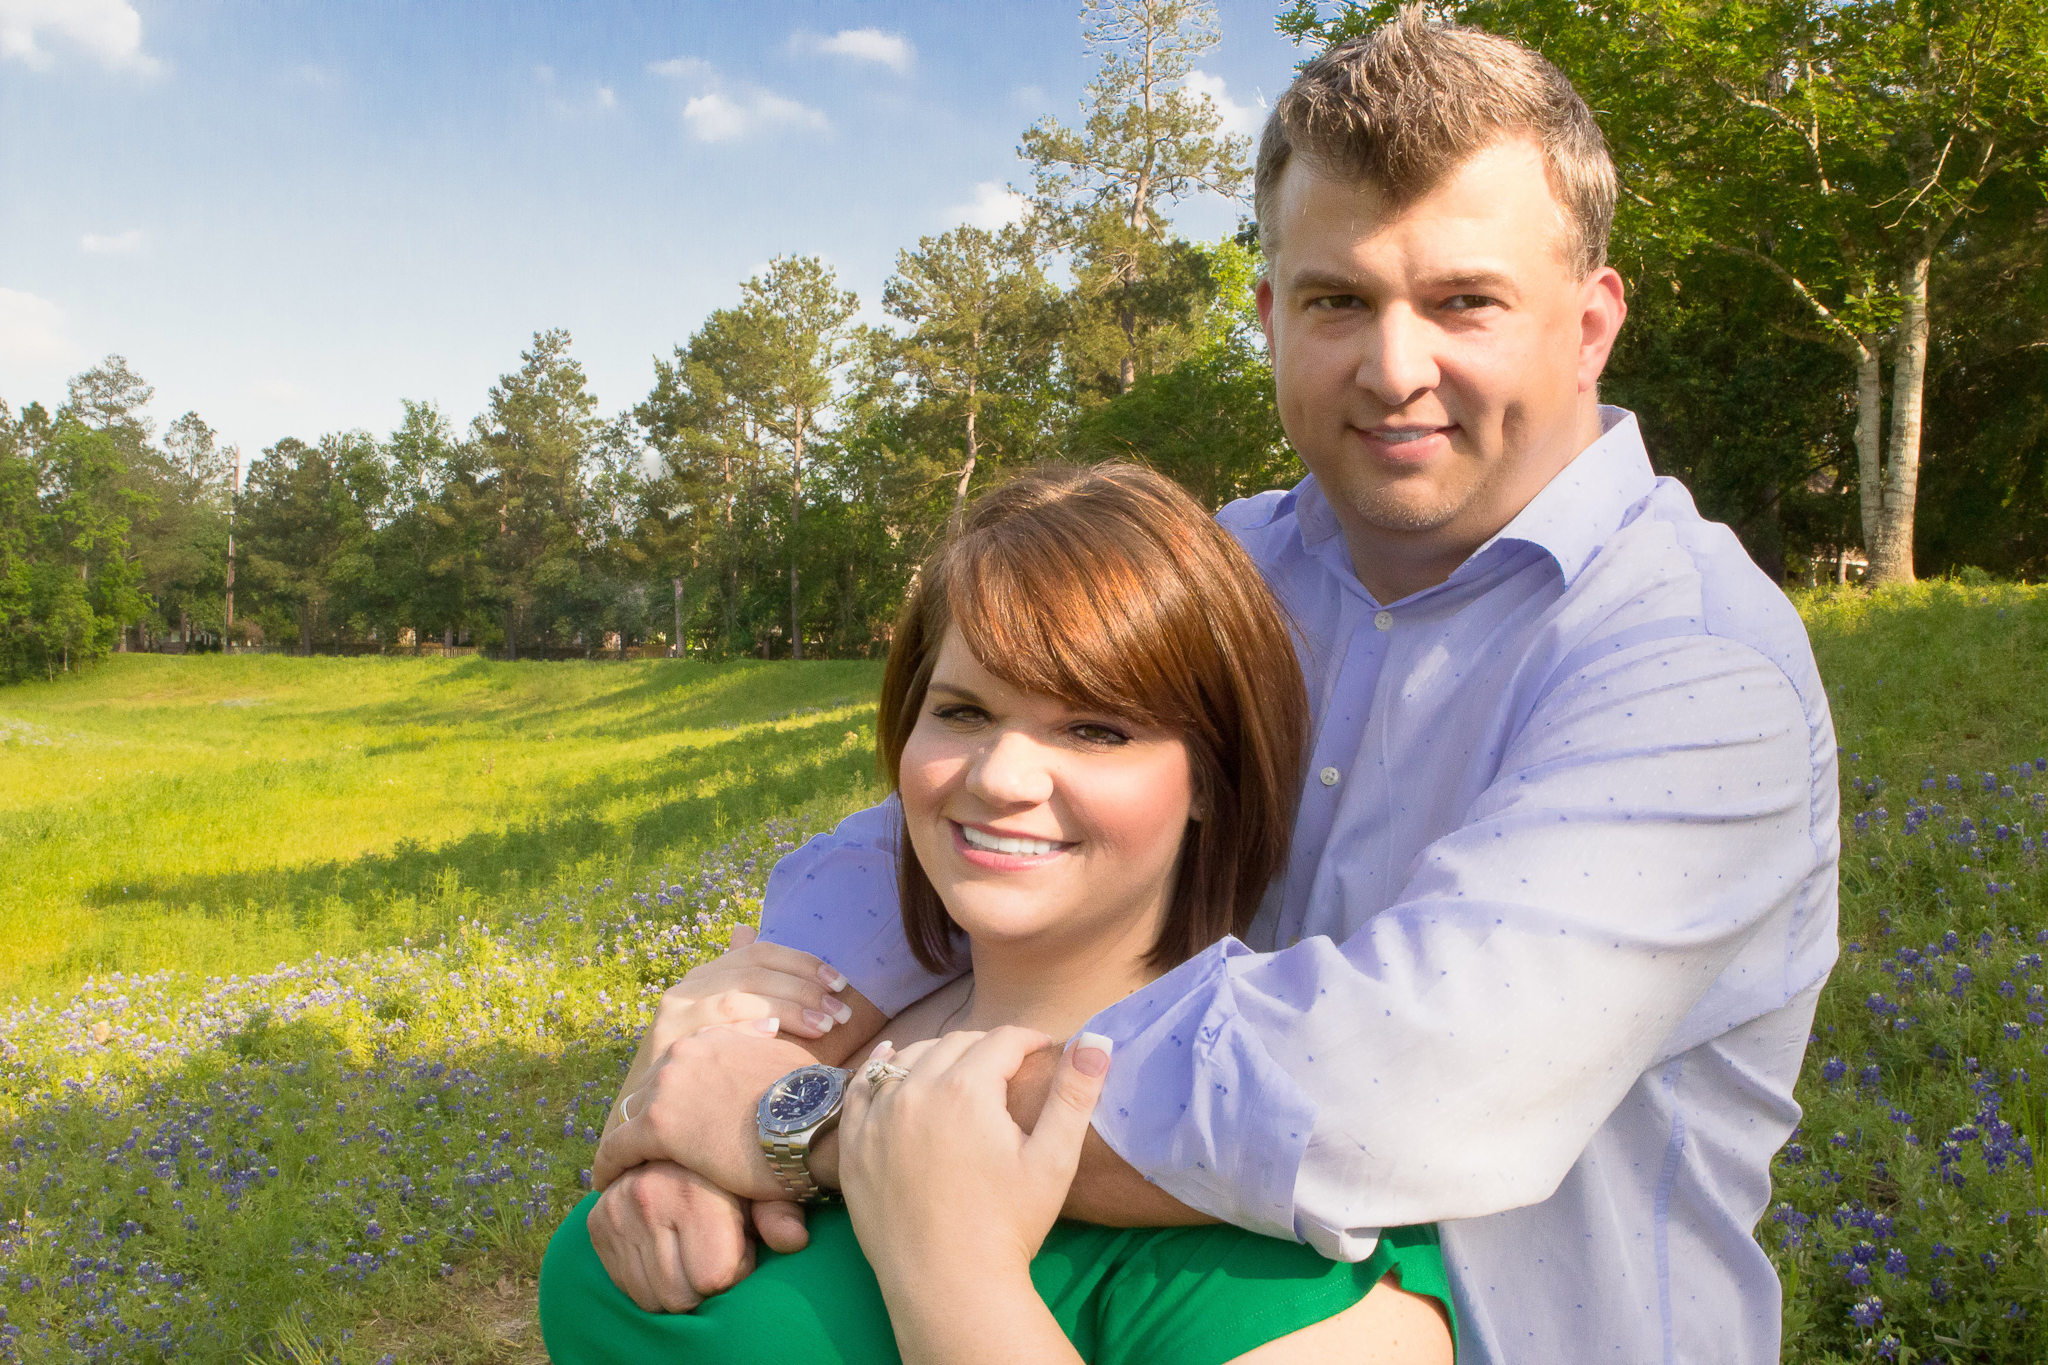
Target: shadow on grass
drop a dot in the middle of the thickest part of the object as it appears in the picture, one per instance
(688, 795)
(662, 697)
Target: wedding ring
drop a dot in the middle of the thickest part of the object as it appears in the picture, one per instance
(878, 1072)
(626, 1107)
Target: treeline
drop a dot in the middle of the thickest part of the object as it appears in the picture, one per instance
(771, 492)
(768, 496)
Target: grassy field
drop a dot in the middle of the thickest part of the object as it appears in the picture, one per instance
(247, 1120)
(222, 815)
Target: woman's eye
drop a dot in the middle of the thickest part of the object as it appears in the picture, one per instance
(959, 715)
(1101, 734)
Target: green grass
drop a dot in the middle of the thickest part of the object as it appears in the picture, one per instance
(222, 815)
(156, 1128)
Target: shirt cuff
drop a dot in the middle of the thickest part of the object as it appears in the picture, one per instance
(1194, 1103)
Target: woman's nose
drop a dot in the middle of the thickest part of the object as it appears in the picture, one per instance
(1011, 771)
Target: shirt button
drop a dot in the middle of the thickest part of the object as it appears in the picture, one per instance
(1329, 776)
(1383, 621)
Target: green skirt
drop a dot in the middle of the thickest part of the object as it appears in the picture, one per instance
(1191, 1296)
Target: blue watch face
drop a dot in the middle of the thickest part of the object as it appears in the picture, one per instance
(803, 1098)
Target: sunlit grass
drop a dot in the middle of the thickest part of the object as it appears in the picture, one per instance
(221, 815)
(158, 1130)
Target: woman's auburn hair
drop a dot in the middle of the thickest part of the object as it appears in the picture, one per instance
(1110, 588)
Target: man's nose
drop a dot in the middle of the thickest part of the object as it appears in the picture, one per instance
(1400, 357)
(1011, 771)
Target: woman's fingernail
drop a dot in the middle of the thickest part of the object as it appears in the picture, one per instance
(834, 980)
(1091, 1053)
(771, 1027)
(821, 1022)
(840, 1010)
(882, 1049)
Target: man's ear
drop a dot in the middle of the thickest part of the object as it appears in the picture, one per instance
(1603, 306)
(1262, 295)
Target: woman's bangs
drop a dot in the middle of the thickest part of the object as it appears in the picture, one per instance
(1067, 622)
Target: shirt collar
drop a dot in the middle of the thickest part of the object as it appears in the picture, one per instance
(1569, 519)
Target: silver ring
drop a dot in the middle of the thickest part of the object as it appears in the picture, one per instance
(878, 1072)
(626, 1107)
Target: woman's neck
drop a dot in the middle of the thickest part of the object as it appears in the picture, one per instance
(1055, 987)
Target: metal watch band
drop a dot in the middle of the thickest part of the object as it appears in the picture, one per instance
(792, 1166)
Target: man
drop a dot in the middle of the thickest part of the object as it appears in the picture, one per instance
(1562, 889)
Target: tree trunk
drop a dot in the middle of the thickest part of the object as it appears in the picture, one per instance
(973, 453)
(1892, 560)
(1869, 442)
(306, 630)
(796, 507)
(677, 652)
(447, 639)
(512, 634)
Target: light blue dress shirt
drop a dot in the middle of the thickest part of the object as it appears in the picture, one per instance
(1544, 961)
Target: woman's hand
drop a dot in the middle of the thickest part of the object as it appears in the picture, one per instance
(950, 1198)
(749, 982)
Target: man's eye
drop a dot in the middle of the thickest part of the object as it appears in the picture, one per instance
(1331, 303)
(1465, 303)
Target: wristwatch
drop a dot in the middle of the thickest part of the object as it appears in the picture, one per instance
(797, 1110)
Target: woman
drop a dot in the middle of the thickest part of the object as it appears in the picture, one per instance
(1094, 721)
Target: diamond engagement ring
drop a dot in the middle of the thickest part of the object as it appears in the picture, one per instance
(878, 1072)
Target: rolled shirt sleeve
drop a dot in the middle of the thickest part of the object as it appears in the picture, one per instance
(1454, 1054)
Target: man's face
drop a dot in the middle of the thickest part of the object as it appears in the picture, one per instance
(1435, 366)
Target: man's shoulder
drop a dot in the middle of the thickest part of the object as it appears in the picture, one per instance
(1271, 512)
(1667, 562)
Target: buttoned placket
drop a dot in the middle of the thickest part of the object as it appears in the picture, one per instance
(1339, 740)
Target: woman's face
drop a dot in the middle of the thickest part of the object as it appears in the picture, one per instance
(1036, 821)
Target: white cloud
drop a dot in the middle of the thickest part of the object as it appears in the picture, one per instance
(110, 30)
(1237, 118)
(993, 206)
(892, 50)
(607, 98)
(114, 244)
(32, 335)
(726, 110)
(683, 69)
(717, 117)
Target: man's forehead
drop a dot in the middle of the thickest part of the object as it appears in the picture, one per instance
(1477, 221)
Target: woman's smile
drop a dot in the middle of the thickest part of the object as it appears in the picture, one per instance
(1001, 851)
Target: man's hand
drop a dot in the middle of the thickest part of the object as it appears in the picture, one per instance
(671, 1239)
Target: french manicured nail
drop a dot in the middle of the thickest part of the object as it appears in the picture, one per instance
(1091, 1054)
(882, 1049)
(834, 980)
(771, 1027)
(821, 1022)
(840, 1010)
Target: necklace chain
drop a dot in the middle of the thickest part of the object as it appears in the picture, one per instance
(948, 1024)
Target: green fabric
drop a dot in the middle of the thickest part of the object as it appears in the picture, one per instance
(1192, 1296)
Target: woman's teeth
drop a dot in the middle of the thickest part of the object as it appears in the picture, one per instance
(990, 843)
(1395, 438)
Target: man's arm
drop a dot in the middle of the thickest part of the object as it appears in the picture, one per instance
(1453, 1056)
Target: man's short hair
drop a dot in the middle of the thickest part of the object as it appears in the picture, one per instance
(1407, 104)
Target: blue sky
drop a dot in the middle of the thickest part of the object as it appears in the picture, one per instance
(289, 215)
